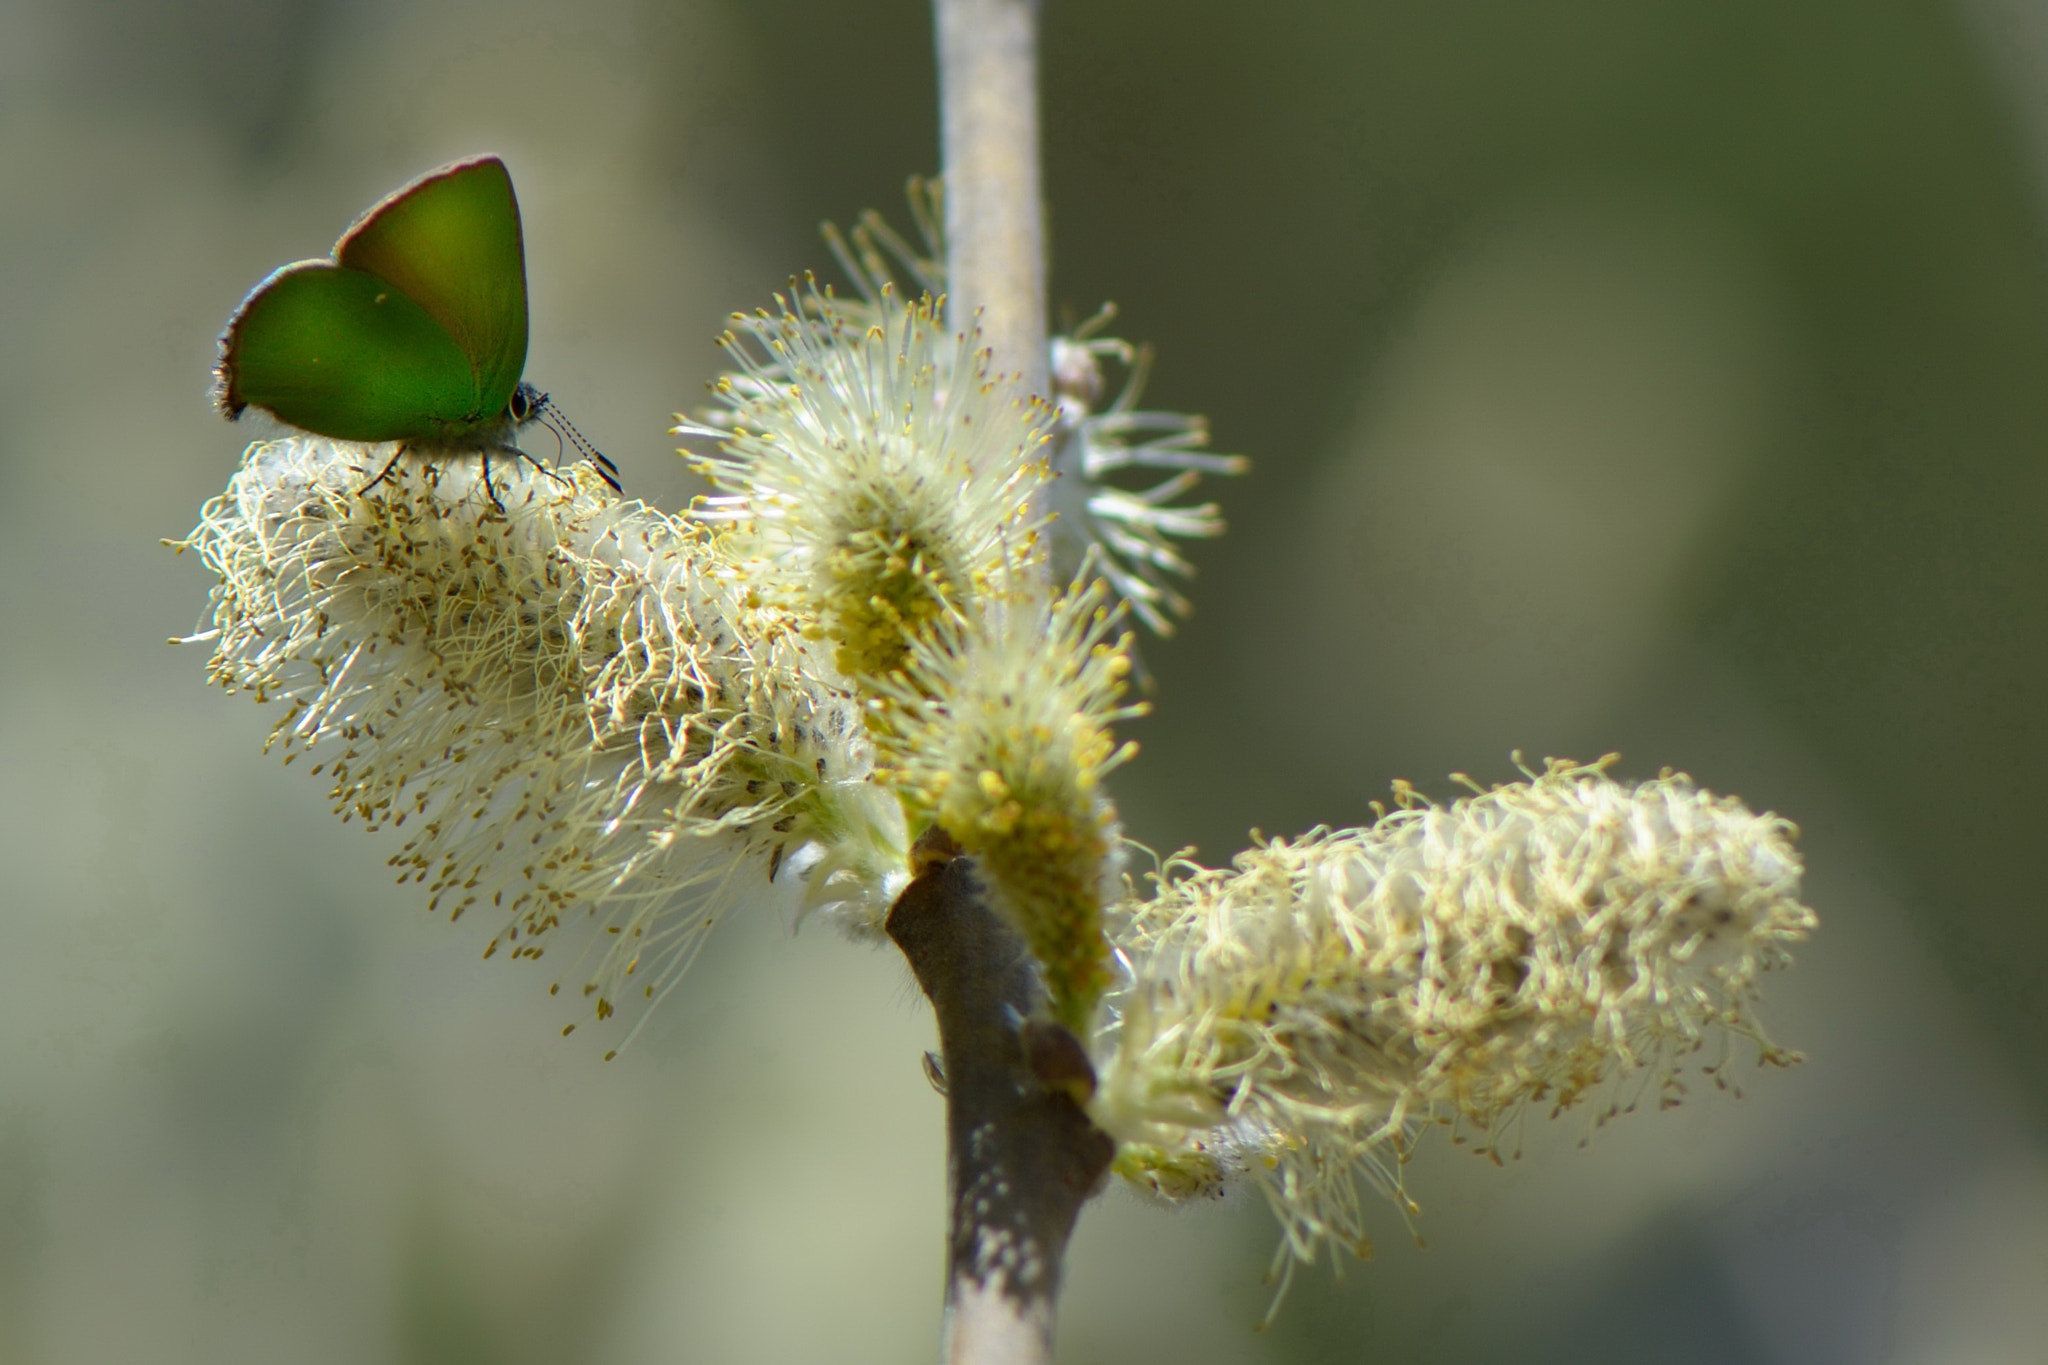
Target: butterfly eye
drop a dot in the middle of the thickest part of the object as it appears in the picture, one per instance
(527, 401)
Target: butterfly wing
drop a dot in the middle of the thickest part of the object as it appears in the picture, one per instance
(451, 242)
(342, 353)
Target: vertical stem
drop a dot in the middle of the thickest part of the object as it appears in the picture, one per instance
(988, 149)
(1021, 1156)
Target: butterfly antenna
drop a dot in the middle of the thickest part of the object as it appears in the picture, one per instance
(558, 422)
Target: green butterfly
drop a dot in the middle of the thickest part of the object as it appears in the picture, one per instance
(414, 331)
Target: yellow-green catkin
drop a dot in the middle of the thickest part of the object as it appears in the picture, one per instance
(1098, 430)
(866, 455)
(1308, 1007)
(999, 732)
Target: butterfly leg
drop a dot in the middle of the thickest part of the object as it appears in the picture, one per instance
(487, 483)
(389, 466)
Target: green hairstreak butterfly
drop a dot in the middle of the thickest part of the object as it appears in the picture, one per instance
(413, 331)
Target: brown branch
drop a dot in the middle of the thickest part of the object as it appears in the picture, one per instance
(1022, 1157)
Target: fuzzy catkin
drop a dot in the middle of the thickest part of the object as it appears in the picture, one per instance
(1125, 535)
(999, 732)
(885, 484)
(1306, 1008)
(575, 707)
(866, 455)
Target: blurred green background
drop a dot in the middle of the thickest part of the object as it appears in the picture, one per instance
(1621, 374)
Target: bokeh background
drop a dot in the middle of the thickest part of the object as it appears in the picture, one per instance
(1635, 375)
